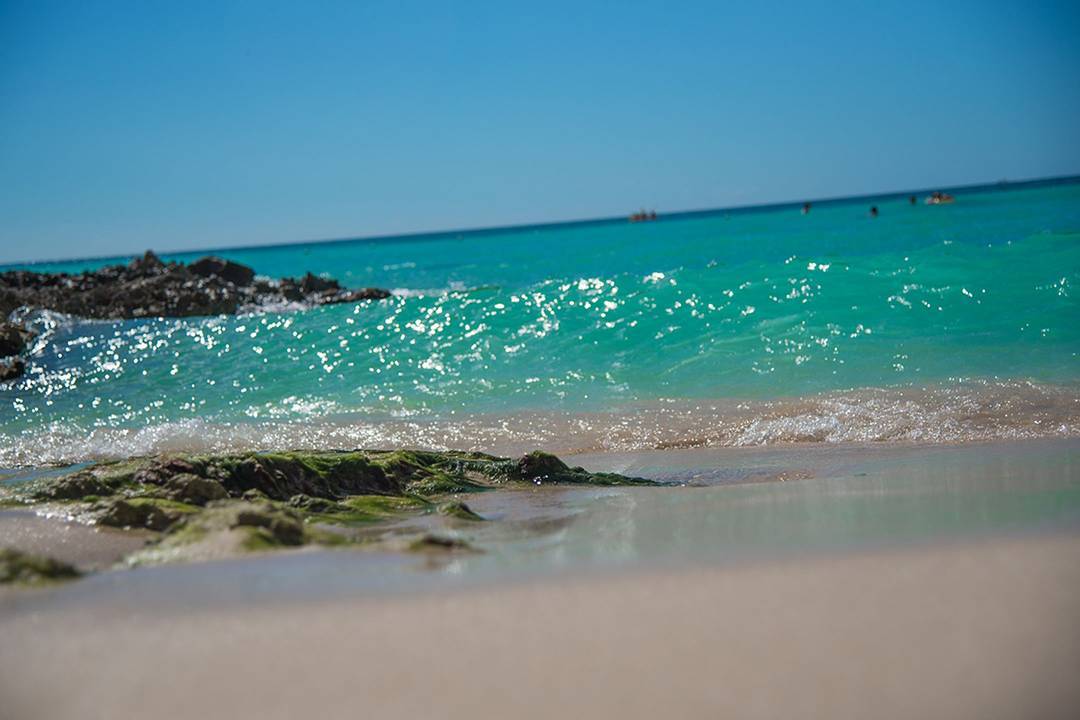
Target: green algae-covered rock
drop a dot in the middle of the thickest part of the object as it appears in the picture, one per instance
(210, 506)
(328, 475)
(429, 543)
(459, 511)
(74, 486)
(28, 569)
(191, 488)
(227, 528)
(144, 512)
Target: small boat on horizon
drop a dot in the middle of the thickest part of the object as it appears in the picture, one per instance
(643, 216)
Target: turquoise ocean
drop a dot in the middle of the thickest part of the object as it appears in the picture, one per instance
(743, 327)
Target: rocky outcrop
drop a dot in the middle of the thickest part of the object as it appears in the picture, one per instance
(13, 339)
(209, 506)
(212, 266)
(13, 342)
(148, 287)
(303, 477)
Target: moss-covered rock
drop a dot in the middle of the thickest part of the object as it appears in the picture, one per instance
(541, 467)
(359, 509)
(440, 482)
(74, 487)
(144, 512)
(227, 528)
(330, 475)
(28, 569)
(429, 543)
(459, 511)
(191, 488)
(273, 527)
(209, 506)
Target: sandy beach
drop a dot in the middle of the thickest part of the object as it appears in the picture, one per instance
(973, 630)
(492, 361)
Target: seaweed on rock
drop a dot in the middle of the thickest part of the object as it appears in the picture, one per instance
(203, 506)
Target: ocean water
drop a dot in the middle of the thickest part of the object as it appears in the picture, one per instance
(752, 327)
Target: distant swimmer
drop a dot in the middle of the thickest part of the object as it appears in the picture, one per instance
(873, 211)
(939, 198)
(911, 199)
(805, 208)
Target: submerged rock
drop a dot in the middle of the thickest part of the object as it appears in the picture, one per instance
(26, 568)
(148, 287)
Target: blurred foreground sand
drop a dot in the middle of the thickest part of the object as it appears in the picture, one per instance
(980, 630)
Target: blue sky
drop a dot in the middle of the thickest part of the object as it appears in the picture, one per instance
(178, 125)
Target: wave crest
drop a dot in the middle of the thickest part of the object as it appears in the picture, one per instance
(960, 412)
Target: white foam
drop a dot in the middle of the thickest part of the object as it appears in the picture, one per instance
(960, 412)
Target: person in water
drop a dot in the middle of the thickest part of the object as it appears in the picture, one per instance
(873, 211)
(911, 199)
(805, 208)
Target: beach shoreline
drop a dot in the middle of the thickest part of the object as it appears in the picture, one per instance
(971, 629)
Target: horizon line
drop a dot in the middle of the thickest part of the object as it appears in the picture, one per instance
(1002, 184)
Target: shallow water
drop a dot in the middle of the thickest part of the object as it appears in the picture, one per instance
(754, 327)
(732, 506)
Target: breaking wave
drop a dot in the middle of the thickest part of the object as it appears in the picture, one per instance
(960, 412)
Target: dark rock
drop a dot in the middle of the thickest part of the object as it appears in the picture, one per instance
(11, 369)
(148, 265)
(346, 296)
(237, 274)
(291, 290)
(540, 465)
(13, 339)
(315, 284)
(148, 287)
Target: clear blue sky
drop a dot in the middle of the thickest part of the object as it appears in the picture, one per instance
(177, 125)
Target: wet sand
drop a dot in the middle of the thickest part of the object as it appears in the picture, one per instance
(979, 629)
(87, 548)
